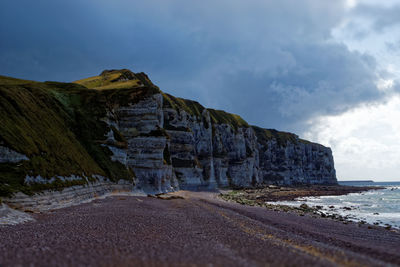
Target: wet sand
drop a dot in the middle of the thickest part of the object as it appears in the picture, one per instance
(197, 230)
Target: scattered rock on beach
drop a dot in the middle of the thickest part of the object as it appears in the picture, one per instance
(168, 197)
(304, 206)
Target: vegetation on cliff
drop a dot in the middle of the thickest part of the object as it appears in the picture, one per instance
(222, 117)
(59, 127)
(196, 109)
(191, 107)
(282, 138)
(112, 79)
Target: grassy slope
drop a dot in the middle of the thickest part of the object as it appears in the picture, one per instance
(114, 79)
(58, 126)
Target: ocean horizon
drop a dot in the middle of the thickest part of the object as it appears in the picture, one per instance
(368, 183)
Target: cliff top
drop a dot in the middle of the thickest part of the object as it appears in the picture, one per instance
(282, 138)
(196, 109)
(116, 79)
(5, 80)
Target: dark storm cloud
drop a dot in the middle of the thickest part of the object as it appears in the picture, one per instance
(273, 62)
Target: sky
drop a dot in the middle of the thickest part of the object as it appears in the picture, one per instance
(327, 70)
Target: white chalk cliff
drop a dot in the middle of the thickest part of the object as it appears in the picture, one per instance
(178, 144)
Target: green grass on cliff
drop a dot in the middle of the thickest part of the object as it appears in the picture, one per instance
(4, 80)
(191, 107)
(58, 127)
(116, 79)
(196, 109)
(112, 79)
(220, 116)
(282, 138)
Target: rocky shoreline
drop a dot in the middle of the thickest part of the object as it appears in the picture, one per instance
(288, 193)
(265, 197)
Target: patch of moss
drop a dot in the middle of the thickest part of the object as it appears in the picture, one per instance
(307, 142)
(144, 79)
(167, 155)
(112, 79)
(191, 107)
(282, 138)
(222, 117)
(196, 109)
(120, 85)
(11, 178)
(118, 136)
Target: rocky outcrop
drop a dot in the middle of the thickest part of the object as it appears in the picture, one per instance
(10, 216)
(66, 197)
(141, 124)
(286, 159)
(8, 155)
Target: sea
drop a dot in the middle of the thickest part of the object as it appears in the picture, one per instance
(379, 207)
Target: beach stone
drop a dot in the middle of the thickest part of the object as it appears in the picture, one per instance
(304, 206)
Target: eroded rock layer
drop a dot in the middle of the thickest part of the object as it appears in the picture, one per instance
(179, 144)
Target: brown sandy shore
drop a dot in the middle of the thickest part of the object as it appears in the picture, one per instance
(197, 230)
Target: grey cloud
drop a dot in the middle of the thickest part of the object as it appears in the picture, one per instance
(273, 62)
(381, 17)
(393, 47)
(325, 79)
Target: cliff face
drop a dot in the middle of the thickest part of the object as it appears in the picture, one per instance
(157, 141)
(179, 144)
